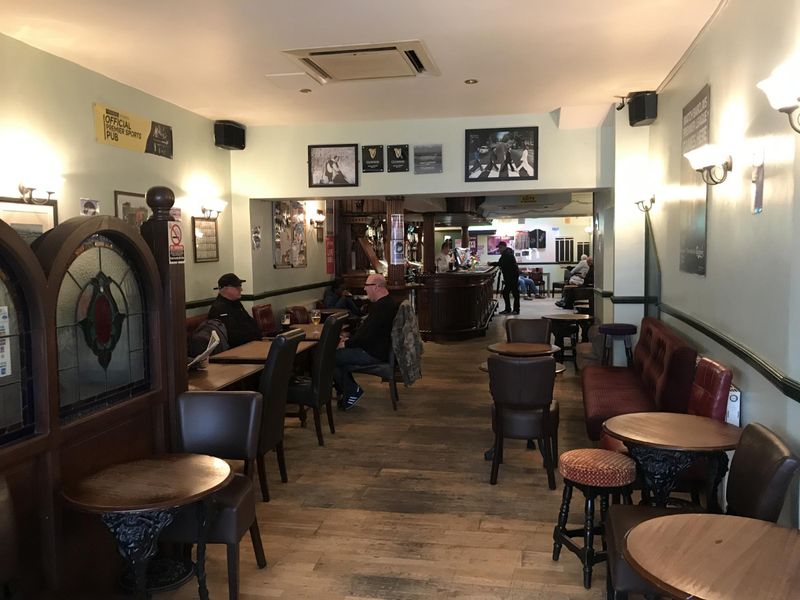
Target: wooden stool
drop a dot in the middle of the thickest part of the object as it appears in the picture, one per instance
(595, 472)
(612, 331)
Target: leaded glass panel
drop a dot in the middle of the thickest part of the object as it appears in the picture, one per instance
(101, 327)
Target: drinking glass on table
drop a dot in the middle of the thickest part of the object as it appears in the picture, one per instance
(316, 317)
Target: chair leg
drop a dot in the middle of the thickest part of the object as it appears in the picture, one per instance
(603, 513)
(233, 571)
(329, 408)
(301, 414)
(588, 540)
(563, 513)
(318, 426)
(548, 462)
(262, 478)
(498, 453)
(281, 461)
(393, 393)
(258, 548)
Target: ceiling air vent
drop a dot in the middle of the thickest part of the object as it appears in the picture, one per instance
(366, 61)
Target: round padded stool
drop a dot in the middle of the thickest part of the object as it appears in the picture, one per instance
(613, 331)
(596, 472)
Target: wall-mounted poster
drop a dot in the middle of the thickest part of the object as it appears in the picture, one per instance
(29, 220)
(204, 238)
(692, 211)
(501, 154)
(335, 165)
(289, 234)
(493, 240)
(131, 132)
(427, 159)
(372, 159)
(397, 158)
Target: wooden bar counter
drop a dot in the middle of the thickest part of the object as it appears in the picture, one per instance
(456, 305)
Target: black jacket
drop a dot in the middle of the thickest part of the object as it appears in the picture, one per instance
(241, 327)
(374, 336)
(508, 265)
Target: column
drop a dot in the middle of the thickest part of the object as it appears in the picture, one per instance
(429, 249)
(396, 226)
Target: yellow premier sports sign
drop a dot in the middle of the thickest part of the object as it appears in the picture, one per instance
(128, 131)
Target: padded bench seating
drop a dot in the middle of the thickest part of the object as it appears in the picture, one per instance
(659, 380)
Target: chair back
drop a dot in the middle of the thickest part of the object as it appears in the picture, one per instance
(532, 331)
(274, 387)
(538, 276)
(298, 315)
(324, 359)
(761, 471)
(710, 390)
(9, 560)
(265, 318)
(522, 383)
(222, 424)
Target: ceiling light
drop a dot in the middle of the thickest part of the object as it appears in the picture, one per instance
(305, 91)
(470, 81)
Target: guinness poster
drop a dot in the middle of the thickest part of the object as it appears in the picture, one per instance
(397, 158)
(131, 132)
(372, 159)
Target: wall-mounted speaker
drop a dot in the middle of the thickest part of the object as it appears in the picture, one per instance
(642, 108)
(229, 135)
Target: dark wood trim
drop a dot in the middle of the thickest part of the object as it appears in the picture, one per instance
(628, 299)
(262, 295)
(788, 386)
(603, 293)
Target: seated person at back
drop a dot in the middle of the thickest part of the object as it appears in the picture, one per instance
(370, 345)
(587, 280)
(527, 285)
(337, 296)
(227, 307)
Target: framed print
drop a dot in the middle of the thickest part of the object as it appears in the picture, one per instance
(289, 234)
(372, 159)
(333, 166)
(502, 154)
(427, 159)
(397, 158)
(204, 240)
(131, 207)
(29, 220)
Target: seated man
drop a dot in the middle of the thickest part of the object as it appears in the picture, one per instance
(337, 296)
(527, 285)
(568, 295)
(370, 345)
(227, 307)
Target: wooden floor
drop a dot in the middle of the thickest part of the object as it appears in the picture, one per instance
(398, 505)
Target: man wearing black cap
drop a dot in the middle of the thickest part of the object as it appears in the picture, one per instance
(241, 327)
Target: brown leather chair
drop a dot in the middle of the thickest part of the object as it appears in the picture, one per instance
(225, 425)
(315, 391)
(9, 559)
(761, 471)
(535, 331)
(265, 318)
(298, 315)
(274, 386)
(523, 412)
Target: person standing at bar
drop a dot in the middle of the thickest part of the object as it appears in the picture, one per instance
(510, 270)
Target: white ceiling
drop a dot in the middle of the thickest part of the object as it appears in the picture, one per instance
(212, 56)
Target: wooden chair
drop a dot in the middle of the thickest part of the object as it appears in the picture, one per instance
(528, 330)
(298, 315)
(265, 318)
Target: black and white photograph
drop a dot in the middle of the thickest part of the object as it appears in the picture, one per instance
(333, 165)
(131, 207)
(397, 158)
(89, 207)
(372, 159)
(503, 154)
(427, 159)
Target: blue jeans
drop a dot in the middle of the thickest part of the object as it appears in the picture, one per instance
(346, 359)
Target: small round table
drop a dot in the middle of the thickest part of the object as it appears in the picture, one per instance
(565, 325)
(484, 366)
(716, 557)
(664, 444)
(522, 349)
(138, 499)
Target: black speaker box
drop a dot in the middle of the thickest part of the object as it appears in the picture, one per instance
(229, 135)
(642, 108)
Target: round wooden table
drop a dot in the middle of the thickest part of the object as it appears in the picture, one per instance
(664, 444)
(716, 557)
(562, 328)
(522, 349)
(484, 366)
(137, 499)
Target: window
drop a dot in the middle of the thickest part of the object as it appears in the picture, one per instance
(101, 326)
(565, 250)
(584, 248)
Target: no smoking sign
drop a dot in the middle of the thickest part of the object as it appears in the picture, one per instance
(177, 255)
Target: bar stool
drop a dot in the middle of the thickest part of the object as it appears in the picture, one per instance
(595, 472)
(613, 331)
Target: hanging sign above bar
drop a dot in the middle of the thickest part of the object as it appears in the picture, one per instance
(128, 131)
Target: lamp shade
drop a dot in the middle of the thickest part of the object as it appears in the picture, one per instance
(706, 156)
(781, 88)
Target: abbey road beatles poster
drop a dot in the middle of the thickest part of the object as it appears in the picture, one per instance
(501, 154)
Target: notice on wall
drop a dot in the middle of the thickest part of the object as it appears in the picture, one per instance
(177, 252)
(330, 266)
(5, 343)
(131, 132)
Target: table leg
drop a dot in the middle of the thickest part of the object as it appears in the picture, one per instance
(717, 467)
(136, 534)
(660, 469)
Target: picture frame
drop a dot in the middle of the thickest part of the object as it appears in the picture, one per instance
(501, 154)
(204, 240)
(372, 158)
(427, 159)
(289, 234)
(397, 158)
(334, 165)
(29, 220)
(131, 208)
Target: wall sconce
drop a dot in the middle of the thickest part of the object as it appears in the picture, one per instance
(212, 209)
(318, 222)
(646, 205)
(783, 93)
(26, 193)
(712, 162)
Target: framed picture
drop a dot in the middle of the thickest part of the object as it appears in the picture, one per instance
(204, 240)
(427, 159)
(289, 234)
(397, 158)
(502, 154)
(29, 220)
(131, 207)
(333, 166)
(372, 159)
